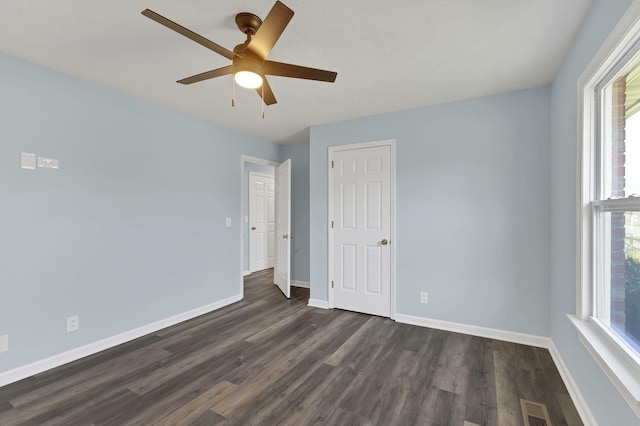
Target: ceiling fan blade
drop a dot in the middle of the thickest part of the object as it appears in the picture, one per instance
(270, 30)
(188, 33)
(207, 75)
(296, 71)
(269, 97)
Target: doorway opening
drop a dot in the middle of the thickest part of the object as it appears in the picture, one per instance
(265, 218)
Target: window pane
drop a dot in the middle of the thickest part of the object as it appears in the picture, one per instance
(621, 153)
(623, 232)
(632, 156)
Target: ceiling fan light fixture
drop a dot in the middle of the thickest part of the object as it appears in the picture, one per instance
(248, 72)
(248, 79)
(249, 65)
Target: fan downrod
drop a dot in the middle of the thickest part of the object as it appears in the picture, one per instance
(248, 23)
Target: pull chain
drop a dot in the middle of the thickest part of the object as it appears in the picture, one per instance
(233, 86)
(262, 101)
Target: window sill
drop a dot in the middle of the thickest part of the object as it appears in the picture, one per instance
(622, 373)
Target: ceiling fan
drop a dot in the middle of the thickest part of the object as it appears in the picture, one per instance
(249, 64)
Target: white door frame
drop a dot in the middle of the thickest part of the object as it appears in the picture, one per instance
(391, 143)
(243, 183)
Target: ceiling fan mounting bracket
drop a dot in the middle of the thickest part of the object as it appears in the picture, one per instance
(248, 23)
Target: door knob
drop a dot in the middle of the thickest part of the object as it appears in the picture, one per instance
(285, 236)
(291, 236)
(384, 242)
(253, 228)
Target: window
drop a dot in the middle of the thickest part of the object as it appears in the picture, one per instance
(608, 308)
(616, 206)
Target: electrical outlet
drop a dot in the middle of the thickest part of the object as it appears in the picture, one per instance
(73, 324)
(424, 297)
(4, 343)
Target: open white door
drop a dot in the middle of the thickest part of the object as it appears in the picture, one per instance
(281, 274)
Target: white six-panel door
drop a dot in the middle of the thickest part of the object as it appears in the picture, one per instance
(261, 221)
(361, 232)
(282, 268)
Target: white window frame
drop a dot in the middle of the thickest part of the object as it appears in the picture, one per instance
(618, 361)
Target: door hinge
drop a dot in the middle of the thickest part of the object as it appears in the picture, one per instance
(331, 224)
(332, 164)
(331, 284)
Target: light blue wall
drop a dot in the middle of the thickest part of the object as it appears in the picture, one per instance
(604, 400)
(257, 168)
(472, 208)
(130, 230)
(299, 155)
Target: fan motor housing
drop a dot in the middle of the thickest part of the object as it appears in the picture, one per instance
(248, 64)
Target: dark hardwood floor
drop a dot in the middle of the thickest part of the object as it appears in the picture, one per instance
(271, 361)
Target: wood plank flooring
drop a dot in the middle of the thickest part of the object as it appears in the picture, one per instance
(271, 361)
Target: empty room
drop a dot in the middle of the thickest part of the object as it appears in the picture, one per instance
(344, 213)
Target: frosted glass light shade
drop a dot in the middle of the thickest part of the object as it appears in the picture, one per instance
(248, 79)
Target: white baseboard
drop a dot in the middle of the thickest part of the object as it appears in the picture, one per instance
(514, 337)
(303, 284)
(74, 354)
(316, 303)
(572, 387)
(245, 273)
(474, 330)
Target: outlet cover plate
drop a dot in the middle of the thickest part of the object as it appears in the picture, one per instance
(424, 297)
(73, 324)
(4, 343)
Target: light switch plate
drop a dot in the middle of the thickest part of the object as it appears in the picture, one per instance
(228, 222)
(4, 343)
(27, 161)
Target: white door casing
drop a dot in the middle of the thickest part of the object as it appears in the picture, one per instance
(282, 276)
(261, 221)
(361, 246)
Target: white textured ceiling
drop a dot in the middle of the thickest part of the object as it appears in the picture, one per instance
(390, 55)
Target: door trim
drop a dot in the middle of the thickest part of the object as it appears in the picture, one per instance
(391, 143)
(248, 159)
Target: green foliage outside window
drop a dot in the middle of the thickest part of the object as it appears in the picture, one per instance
(632, 297)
